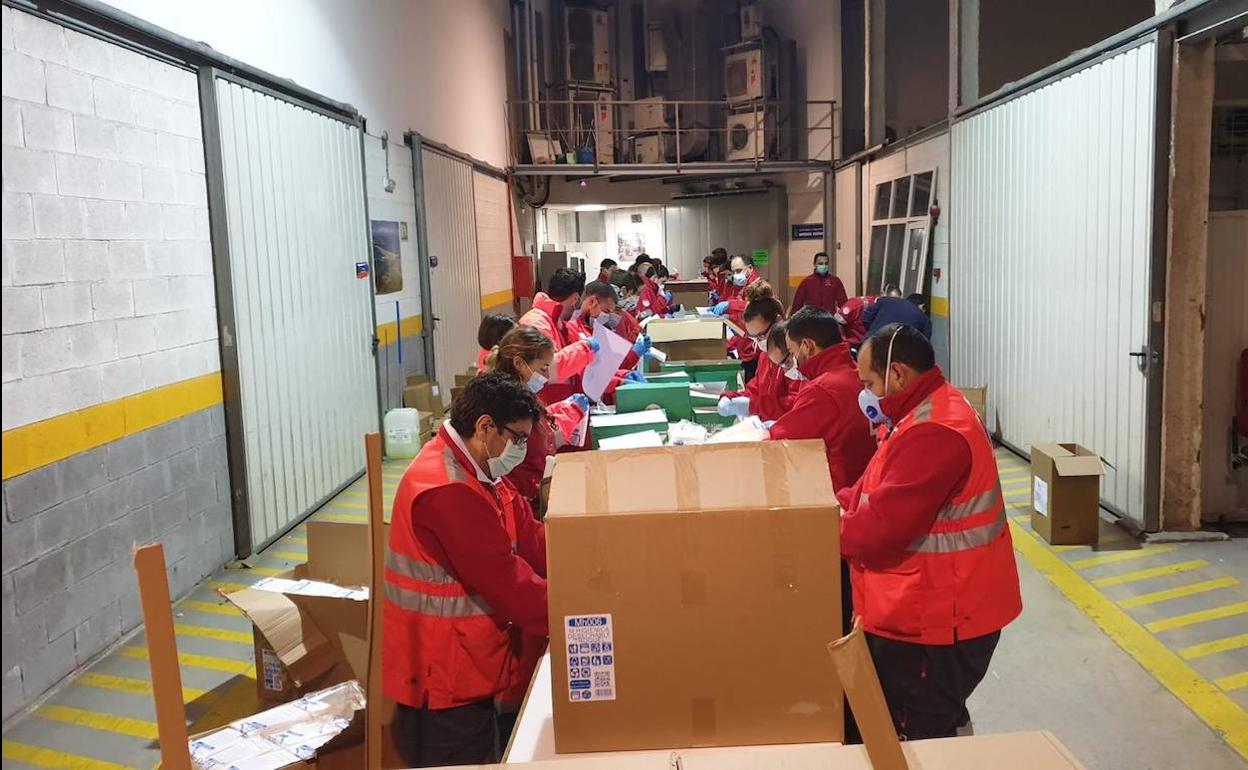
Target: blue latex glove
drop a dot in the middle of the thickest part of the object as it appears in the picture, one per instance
(593, 344)
(740, 406)
(642, 345)
(667, 295)
(714, 297)
(581, 400)
(634, 376)
(724, 407)
(720, 308)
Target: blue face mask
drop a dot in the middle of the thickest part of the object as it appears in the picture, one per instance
(821, 269)
(738, 279)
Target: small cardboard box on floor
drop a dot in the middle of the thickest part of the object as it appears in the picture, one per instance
(690, 607)
(1065, 493)
(422, 395)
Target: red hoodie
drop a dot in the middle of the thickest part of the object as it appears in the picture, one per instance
(651, 298)
(827, 408)
(571, 354)
(825, 291)
(771, 394)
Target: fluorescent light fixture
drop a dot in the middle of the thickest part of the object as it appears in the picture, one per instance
(590, 207)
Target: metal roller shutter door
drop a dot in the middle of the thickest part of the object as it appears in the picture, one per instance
(293, 212)
(1050, 260)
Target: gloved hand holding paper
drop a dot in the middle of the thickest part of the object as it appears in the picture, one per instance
(612, 348)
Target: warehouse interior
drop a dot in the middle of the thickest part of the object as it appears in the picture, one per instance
(248, 251)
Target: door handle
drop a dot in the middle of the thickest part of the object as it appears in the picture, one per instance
(1144, 357)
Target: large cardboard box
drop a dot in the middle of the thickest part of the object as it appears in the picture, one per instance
(671, 397)
(690, 295)
(691, 608)
(1065, 493)
(304, 639)
(696, 338)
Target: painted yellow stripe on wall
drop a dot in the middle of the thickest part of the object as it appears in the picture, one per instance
(47, 441)
(41, 757)
(139, 728)
(796, 280)
(940, 306)
(494, 299)
(1210, 704)
(387, 333)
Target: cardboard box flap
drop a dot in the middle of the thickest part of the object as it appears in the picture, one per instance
(1082, 465)
(338, 552)
(679, 330)
(642, 417)
(1052, 450)
(771, 474)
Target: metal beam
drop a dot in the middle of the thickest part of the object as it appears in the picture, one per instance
(695, 168)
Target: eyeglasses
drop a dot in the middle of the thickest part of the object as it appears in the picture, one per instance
(517, 438)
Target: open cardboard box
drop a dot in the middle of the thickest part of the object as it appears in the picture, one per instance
(1066, 493)
(327, 736)
(691, 338)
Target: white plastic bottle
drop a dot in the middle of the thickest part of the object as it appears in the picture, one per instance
(402, 428)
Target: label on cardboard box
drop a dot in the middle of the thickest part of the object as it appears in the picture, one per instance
(274, 675)
(591, 657)
(1040, 495)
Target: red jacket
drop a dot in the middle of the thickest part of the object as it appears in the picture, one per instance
(548, 437)
(481, 356)
(771, 394)
(745, 349)
(465, 576)
(571, 354)
(924, 530)
(580, 326)
(651, 298)
(827, 408)
(825, 291)
(629, 329)
(853, 327)
(732, 291)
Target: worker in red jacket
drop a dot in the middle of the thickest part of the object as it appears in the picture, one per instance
(717, 278)
(653, 299)
(851, 318)
(598, 303)
(925, 534)
(606, 268)
(492, 329)
(820, 288)
(733, 309)
(526, 355)
(827, 405)
(465, 576)
(773, 390)
(549, 315)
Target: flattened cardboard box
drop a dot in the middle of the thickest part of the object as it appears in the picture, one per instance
(710, 597)
(1065, 493)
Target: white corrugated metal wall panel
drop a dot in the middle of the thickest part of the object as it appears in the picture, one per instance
(1052, 234)
(295, 212)
(455, 283)
(493, 238)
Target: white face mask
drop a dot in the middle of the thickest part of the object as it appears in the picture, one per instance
(738, 279)
(610, 320)
(513, 454)
(536, 382)
(868, 402)
(792, 372)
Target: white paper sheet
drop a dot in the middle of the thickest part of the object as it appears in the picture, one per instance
(612, 348)
(645, 438)
(748, 430)
(712, 388)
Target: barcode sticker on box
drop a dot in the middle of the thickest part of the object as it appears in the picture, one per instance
(591, 657)
(274, 676)
(1040, 495)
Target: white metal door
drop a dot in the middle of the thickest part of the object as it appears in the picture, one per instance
(848, 225)
(1051, 256)
(303, 320)
(450, 218)
(493, 241)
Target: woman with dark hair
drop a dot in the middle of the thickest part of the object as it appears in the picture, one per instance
(493, 327)
(525, 355)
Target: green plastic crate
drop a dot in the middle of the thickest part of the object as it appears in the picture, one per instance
(672, 397)
(710, 416)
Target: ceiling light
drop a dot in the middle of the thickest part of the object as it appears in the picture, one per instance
(590, 207)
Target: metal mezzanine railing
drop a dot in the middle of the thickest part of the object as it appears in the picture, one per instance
(589, 135)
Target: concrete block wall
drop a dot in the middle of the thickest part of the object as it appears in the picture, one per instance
(399, 313)
(107, 294)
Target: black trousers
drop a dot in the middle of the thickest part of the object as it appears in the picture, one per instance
(467, 735)
(927, 686)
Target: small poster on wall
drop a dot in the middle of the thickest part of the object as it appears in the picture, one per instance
(630, 245)
(387, 259)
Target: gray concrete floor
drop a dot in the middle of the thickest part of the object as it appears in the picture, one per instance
(1056, 670)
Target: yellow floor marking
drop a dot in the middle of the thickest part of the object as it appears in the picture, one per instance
(138, 728)
(1234, 681)
(1200, 616)
(1104, 539)
(237, 699)
(219, 634)
(210, 662)
(292, 555)
(1117, 556)
(341, 504)
(1209, 703)
(345, 517)
(1151, 572)
(1022, 517)
(212, 608)
(1013, 470)
(41, 757)
(293, 538)
(223, 586)
(266, 571)
(1174, 593)
(129, 685)
(1215, 647)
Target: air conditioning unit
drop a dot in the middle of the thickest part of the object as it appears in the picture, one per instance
(604, 127)
(743, 76)
(649, 149)
(587, 46)
(740, 134)
(650, 114)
